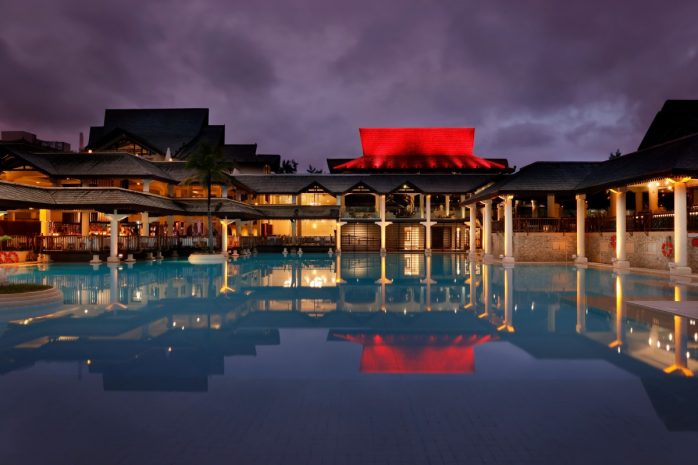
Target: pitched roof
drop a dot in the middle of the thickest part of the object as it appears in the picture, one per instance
(678, 157)
(540, 177)
(340, 183)
(677, 118)
(161, 127)
(87, 165)
(106, 199)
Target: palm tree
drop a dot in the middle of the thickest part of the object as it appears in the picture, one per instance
(209, 167)
(288, 167)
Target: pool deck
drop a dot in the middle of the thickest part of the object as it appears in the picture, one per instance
(688, 309)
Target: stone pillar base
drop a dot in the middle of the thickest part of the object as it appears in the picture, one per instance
(508, 260)
(621, 264)
(111, 259)
(130, 258)
(488, 258)
(384, 252)
(679, 270)
(95, 260)
(427, 251)
(581, 260)
(384, 281)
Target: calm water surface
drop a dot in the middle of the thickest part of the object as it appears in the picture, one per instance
(359, 359)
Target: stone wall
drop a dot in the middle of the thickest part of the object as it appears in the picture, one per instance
(538, 247)
(644, 250)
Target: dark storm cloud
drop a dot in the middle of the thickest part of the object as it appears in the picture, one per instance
(539, 79)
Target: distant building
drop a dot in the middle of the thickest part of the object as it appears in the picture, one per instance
(30, 139)
(171, 134)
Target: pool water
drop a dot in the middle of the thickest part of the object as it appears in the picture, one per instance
(351, 359)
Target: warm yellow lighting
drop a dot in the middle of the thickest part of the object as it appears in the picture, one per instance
(88, 362)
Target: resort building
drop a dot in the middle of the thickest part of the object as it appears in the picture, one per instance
(412, 189)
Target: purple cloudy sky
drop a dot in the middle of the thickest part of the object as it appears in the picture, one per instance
(539, 79)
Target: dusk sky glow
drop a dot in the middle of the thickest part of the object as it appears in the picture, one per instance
(539, 80)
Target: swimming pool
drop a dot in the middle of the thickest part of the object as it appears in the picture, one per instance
(351, 359)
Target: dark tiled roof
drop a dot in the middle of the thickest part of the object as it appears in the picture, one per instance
(380, 183)
(236, 153)
(540, 177)
(676, 158)
(175, 169)
(107, 199)
(84, 165)
(213, 135)
(677, 118)
(162, 128)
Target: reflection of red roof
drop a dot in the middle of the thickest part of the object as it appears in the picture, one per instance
(418, 148)
(416, 353)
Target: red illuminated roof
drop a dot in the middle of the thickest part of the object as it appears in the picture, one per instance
(418, 149)
(416, 353)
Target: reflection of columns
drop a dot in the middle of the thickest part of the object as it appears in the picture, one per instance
(680, 230)
(224, 235)
(382, 223)
(508, 230)
(485, 290)
(427, 225)
(384, 278)
(427, 279)
(621, 257)
(114, 236)
(471, 234)
(338, 270)
(680, 337)
(620, 311)
(508, 323)
(581, 299)
(487, 230)
(471, 282)
(114, 303)
(338, 236)
(552, 316)
(581, 211)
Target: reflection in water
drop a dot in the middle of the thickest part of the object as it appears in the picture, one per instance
(171, 325)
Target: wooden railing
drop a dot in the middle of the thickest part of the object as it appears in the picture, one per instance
(250, 242)
(531, 225)
(97, 244)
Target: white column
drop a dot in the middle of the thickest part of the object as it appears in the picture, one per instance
(487, 230)
(146, 185)
(654, 196)
(84, 223)
(45, 218)
(534, 209)
(382, 223)
(427, 225)
(471, 233)
(145, 224)
(551, 206)
(508, 230)
(462, 206)
(448, 206)
(621, 257)
(224, 235)
(338, 238)
(114, 237)
(680, 230)
(581, 213)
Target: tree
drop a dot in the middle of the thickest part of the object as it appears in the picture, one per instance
(615, 154)
(209, 167)
(312, 170)
(288, 167)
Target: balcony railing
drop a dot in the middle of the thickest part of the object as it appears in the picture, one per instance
(641, 222)
(250, 242)
(531, 225)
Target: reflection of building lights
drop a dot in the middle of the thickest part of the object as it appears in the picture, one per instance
(198, 319)
(533, 306)
(169, 349)
(88, 362)
(174, 324)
